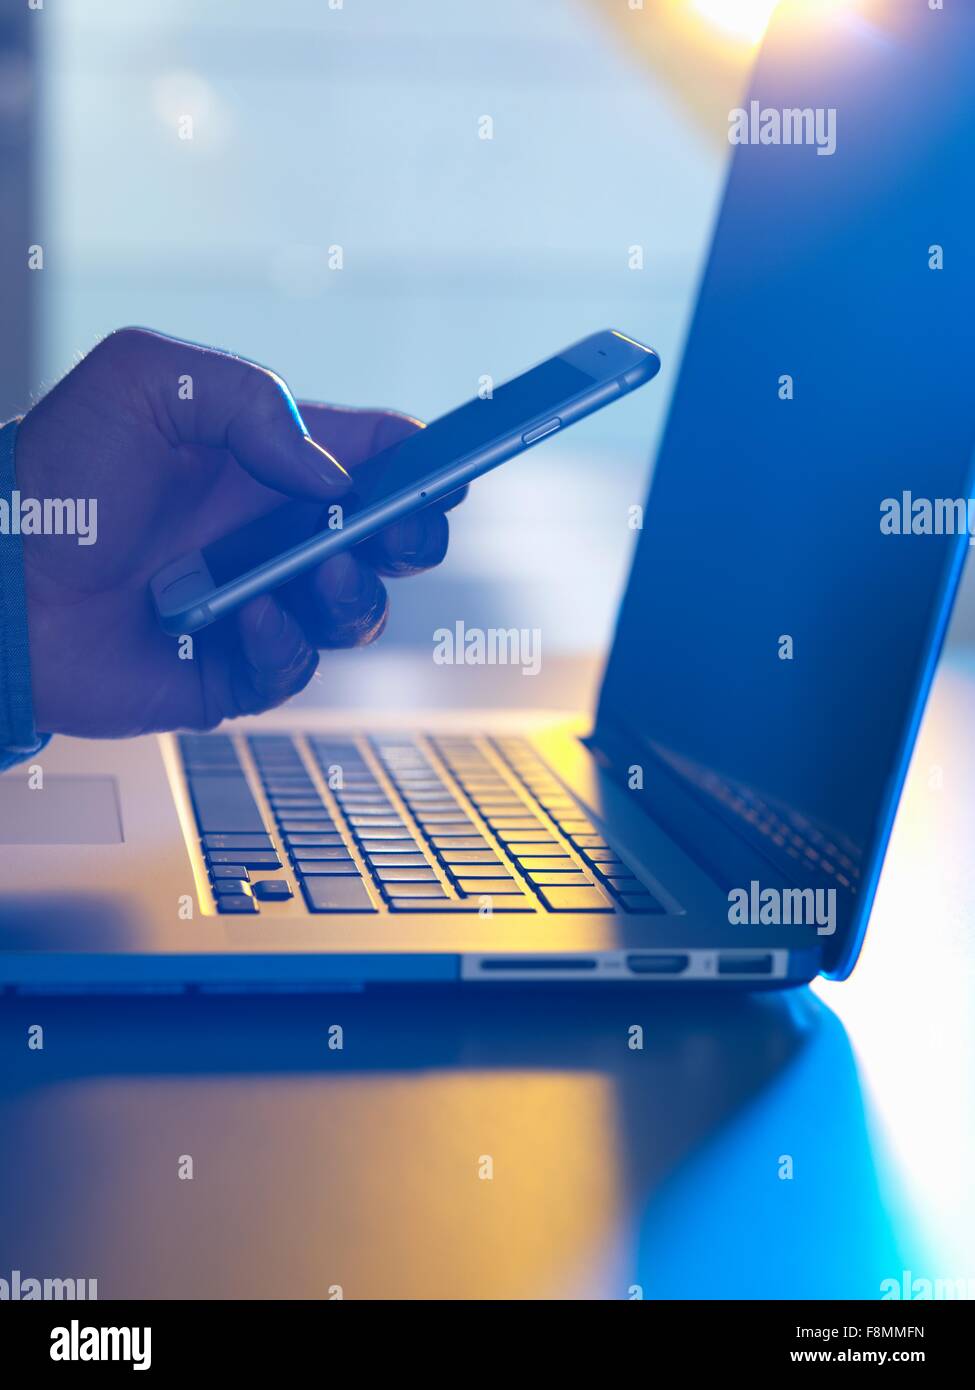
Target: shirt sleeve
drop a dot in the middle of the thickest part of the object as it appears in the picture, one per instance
(18, 737)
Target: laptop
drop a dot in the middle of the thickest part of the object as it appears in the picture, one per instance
(720, 818)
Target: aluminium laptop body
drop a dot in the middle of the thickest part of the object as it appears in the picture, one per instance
(773, 650)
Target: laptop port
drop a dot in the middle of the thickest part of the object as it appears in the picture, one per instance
(657, 963)
(573, 963)
(745, 965)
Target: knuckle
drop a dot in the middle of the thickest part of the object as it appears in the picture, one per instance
(267, 392)
(122, 341)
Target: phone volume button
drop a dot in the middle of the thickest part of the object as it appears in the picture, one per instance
(540, 431)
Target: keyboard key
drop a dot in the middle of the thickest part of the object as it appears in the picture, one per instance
(488, 886)
(309, 841)
(223, 804)
(236, 902)
(641, 902)
(273, 890)
(416, 890)
(626, 884)
(397, 861)
(231, 871)
(574, 899)
(586, 841)
(385, 839)
(323, 825)
(555, 862)
(565, 880)
(437, 828)
(230, 887)
(325, 893)
(343, 868)
(364, 824)
(537, 835)
(513, 822)
(250, 859)
(332, 855)
(470, 856)
(337, 849)
(237, 842)
(460, 841)
(606, 856)
(492, 868)
(405, 874)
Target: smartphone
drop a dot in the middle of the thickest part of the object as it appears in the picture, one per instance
(207, 584)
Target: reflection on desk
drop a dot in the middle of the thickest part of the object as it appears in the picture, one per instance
(486, 1144)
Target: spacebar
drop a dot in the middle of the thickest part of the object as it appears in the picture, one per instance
(326, 894)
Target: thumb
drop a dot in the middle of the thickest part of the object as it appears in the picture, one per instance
(218, 401)
(272, 662)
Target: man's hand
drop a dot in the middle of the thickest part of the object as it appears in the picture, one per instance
(181, 444)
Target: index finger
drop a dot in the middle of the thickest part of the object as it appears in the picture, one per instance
(356, 435)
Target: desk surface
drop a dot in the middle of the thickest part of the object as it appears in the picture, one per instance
(611, 1167)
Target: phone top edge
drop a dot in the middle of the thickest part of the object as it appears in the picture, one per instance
(632, 341)
(611, 353)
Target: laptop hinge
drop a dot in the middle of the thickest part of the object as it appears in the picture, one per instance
(715, 845)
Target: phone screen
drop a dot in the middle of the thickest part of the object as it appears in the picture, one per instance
(400, 468)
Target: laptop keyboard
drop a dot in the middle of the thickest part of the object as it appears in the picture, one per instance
(400, 824)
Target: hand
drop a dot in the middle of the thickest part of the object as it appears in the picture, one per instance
(171, 475)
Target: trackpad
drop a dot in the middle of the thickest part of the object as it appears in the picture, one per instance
(65, 811)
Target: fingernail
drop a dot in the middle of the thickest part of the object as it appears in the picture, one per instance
(413, 535)
(355, 581)
(327, 465)
(272, 620)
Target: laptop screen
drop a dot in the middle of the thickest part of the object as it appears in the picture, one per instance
(808, 515)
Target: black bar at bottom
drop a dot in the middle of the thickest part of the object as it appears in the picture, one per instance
(251, 1337)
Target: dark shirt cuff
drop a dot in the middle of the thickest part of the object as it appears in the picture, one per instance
(18, 737)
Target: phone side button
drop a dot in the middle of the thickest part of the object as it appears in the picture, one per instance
(540, 431)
